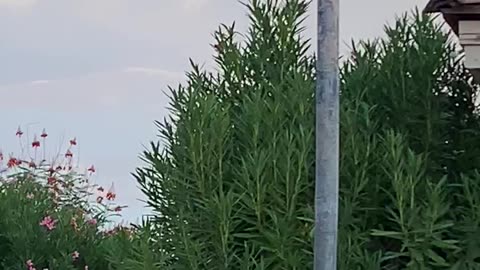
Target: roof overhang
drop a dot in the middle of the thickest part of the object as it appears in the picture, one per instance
(468, 11)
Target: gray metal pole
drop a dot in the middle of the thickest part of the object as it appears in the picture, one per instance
(327, 136)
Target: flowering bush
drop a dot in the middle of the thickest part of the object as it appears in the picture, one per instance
(51, 216)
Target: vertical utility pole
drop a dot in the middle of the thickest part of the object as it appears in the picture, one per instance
(327, 136)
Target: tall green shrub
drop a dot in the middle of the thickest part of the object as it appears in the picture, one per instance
(234, 185)
(232, 179)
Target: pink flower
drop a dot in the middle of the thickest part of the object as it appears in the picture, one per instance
(75, 255)
(110, 196)
(51, 180)
(92, 221)
(111, 193)
(91, 169)
(30, 265)
(48, 222)
(30, 196)
(12, 162)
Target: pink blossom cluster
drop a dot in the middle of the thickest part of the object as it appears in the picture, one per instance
(54, 176)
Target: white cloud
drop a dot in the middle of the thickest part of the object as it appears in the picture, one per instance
(154, 72)
(134, 88)
(40, 82)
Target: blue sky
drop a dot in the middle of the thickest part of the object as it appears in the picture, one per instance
(97, 69)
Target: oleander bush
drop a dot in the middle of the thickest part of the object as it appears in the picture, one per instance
(232, 179)
(51, 216)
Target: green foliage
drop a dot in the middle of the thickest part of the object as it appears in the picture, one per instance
(233, 188)
(47, 216)
(410, 139)
(136, 249)
(25, 203)
(233, 182)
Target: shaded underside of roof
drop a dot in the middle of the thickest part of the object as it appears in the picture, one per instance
(453, 6)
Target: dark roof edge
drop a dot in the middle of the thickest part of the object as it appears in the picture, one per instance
(430, 7)
(426, 11)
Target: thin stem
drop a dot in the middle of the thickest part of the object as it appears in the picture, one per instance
(44, 149)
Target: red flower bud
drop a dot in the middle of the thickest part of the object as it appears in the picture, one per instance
(73, 141)
(35, 143)
(99, 199)
(44, 134)
(12, 162)
(32, 164)
(19, 132)
(51, 180)
(110, 196)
